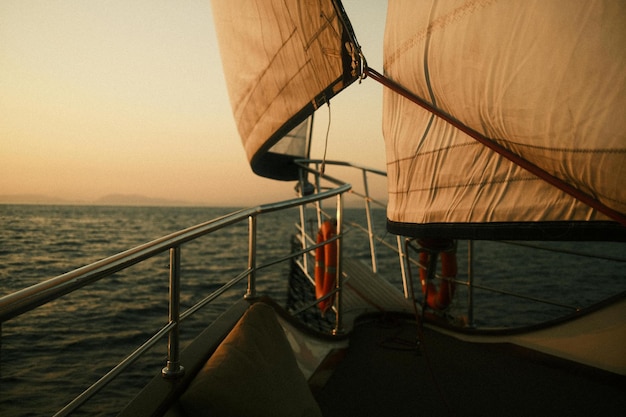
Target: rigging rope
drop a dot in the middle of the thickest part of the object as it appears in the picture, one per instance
(326, 141)
(516, 159)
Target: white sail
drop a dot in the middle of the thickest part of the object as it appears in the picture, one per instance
(282, 59)
(545, 80)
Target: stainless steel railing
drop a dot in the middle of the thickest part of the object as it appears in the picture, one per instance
(27, 299)
(363, 194)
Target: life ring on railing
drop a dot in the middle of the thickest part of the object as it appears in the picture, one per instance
(325, 264)
(439, 298)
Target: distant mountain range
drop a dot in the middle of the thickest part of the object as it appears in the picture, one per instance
(108, 200)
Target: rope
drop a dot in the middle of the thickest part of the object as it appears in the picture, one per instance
(326, 141)
(516, 159)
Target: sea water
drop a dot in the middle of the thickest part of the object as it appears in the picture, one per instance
(50, 355)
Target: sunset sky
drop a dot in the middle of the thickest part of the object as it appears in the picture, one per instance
(119, 97)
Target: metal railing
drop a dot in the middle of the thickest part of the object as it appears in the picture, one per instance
(308, 243)
(30, 298)
(363, 194)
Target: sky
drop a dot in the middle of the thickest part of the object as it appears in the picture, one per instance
(119, 97)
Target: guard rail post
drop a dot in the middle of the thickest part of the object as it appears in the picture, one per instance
(339, 278)
(173, 369)
(252, 221)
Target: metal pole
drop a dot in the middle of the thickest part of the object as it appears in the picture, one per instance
(470, 283)
(403, 260)
(303, 241)
(338, 280)
(251, 293)
(370, 231)
(303, 233)
(173, 368)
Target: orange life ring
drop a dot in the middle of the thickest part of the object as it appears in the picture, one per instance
(441, 298)
(325, 264)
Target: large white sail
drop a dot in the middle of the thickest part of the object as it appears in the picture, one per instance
(282, 59)
(545, 80)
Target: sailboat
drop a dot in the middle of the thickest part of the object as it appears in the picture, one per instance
(502, 121)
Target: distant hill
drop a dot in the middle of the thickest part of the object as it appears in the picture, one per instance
(108, 200)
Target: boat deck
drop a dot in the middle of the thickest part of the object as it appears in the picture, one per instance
(449, 377)
(366, 292)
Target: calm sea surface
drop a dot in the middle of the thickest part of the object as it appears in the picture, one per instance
(50, 355)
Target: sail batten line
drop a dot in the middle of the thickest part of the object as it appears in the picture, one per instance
(516, 159)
